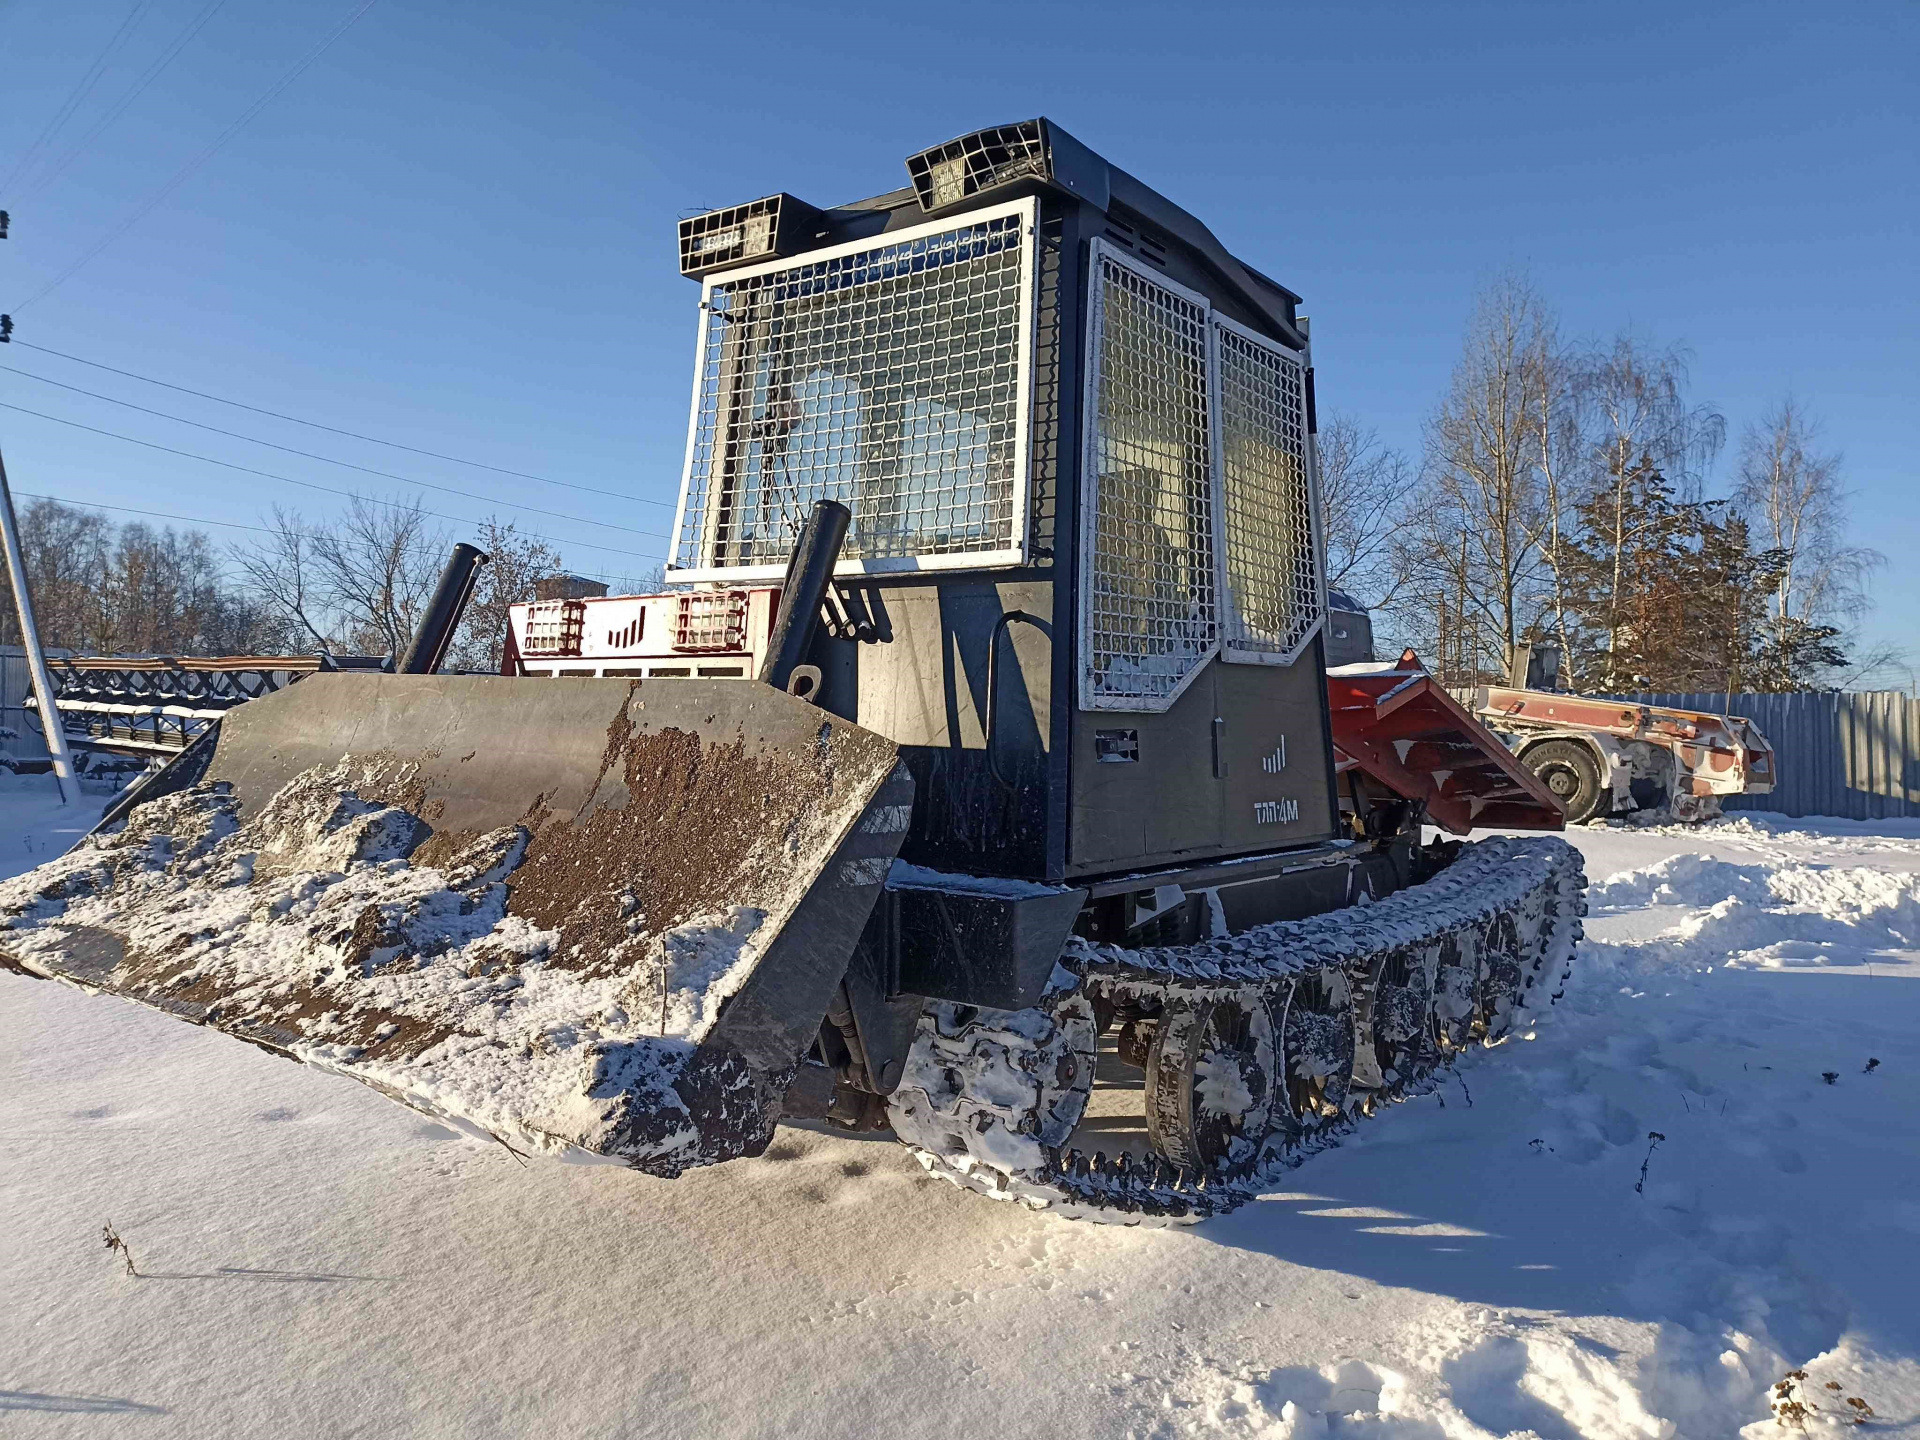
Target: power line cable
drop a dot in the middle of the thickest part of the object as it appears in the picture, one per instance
(181, 175)
(150, 514)
(82, 88)
(118, 108)
(305, 484)
(329, 460)
(227, 524)
(336, 430)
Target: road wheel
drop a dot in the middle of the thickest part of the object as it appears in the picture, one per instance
(1406, 1039)
(1210, 1084)
(1568, 769)
(1313, 1029)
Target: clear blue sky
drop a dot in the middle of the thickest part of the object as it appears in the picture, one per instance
(455, 228)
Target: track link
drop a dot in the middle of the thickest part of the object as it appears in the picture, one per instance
(990, 1098)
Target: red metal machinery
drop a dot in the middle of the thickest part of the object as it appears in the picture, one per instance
(1396, 725)
(1621, 755)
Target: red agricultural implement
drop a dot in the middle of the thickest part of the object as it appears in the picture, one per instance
(1397, 727)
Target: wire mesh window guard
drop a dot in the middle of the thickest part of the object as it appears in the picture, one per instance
(1147, 607)
(891, 375)
(1274, 596)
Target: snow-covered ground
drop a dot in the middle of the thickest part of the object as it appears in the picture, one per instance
(34, 826)
(319, 1262)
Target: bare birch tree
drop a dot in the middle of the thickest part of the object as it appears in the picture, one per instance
(1792, 494)
(355, 583)
(1365, 494)
(1475, 550)
(1792, 491)
(282, 573)
(377, 565)
(1563, 448)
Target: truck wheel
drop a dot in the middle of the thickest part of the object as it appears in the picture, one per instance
(1569, 770)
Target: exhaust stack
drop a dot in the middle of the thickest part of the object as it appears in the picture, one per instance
(809, 572)
(435, 631)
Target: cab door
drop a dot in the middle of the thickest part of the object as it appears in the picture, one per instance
(1144, 788)
(1272, 755)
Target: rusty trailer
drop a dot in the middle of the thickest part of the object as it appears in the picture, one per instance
(1602, 756)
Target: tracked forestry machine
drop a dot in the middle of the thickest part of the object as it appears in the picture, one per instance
(979, 777)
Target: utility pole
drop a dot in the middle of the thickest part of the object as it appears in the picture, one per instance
(36, 658)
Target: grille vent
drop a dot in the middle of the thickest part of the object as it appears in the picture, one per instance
(1144, 243)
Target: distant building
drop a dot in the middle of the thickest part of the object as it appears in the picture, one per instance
(20, 737)
(568, 587)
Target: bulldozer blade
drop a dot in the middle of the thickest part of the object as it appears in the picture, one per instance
(579, 915)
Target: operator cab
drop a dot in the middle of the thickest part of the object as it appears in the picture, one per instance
(1082, 584)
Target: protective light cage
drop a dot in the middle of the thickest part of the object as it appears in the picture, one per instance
(892, 375)
(711, 620)
(555, 627)
(947, 174)
(1199, 527)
